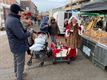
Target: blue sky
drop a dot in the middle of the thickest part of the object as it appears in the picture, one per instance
(45, 5)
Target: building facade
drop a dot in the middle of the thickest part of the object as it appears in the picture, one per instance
(18, 1)
(28, 5)
(4, 10)
(5, 5)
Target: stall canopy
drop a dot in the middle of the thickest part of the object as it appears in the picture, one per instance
(89, 14)
(95, 6)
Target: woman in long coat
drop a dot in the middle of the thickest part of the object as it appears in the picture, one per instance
(53, 29)
(73, 37)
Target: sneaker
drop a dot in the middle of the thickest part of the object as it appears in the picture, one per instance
(73, 59)
(41, 64)
(25, 74)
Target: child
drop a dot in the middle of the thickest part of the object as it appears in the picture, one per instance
(39, 47)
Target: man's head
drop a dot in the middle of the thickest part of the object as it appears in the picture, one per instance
(15, 8)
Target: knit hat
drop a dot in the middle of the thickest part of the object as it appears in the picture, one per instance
(15, 8)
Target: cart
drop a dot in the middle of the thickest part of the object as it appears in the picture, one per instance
(60, 53)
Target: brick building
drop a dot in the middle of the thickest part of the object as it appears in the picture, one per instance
(4, 10)
(29, 6)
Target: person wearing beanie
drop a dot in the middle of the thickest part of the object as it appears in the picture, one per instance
(15, 8)
(17, 37)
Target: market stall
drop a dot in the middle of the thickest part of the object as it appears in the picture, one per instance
(95, 37)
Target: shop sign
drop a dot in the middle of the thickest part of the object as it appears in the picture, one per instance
(86, 50)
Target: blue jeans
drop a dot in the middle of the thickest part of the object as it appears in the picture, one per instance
(19, 62)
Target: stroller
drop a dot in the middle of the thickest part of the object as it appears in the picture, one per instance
(39, 48)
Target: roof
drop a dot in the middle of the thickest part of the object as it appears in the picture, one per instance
(95, 6)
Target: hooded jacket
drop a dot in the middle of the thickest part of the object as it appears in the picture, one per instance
(44, 24)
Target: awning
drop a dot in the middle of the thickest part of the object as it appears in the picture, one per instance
(89, 14)
(76, 7)
(95, 6)
(68, 8)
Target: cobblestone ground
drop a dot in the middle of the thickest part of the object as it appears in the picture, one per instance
(80, 69)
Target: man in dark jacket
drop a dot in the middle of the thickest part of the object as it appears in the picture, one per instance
(17, 37)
